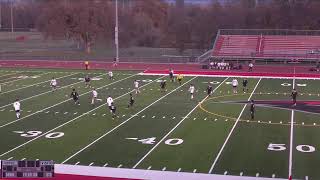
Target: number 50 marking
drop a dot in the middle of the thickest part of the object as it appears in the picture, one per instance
(302, 148)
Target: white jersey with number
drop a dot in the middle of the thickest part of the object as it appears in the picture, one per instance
(110, 74)
(109, 101)
(136, 84)
(234, 82)
(94, 94)
(191, 89)
(53, 82)
(16, 106)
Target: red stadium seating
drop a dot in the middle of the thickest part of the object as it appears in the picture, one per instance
(267, 46)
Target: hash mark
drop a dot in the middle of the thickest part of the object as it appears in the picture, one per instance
(105, 165)
(47, 112)
(307, 177)
(173, 117)
(120, 166)
(195, 170)
(205, 119)
(194, 118)
(153, 117)
(257, 175)
(163, 169)
(179, 170)
(93, 114)
(10, 158)
(103, 114)
(91, 164)
(143, 116)
(65, 113)
(226, 120)
(57, 112)
(241, 173)
(23, 159)
(77, 163)
(123, 115)
(149, 167)
(280, 122)
(273, 175)
(302, 123)
(163, 117)
(225, 173)
(215, 119)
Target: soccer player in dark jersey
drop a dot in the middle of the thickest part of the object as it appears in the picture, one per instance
(163, 85)
(131, 101)
(245, 85)
(294, 95)
(252, 109)
(113, 110)
(209, 90)
(171, 75)
(87, 81)
(75, 96)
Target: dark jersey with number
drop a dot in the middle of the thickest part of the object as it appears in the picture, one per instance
(294, 94)
(163, 84)
(74, 95)
(252, 108)
(245, 83)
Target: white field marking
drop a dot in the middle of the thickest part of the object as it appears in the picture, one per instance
(143, 116)
(68, 122)
(4, 125)
(77, 163)
(194, 118)
(65, 113)
(37, 159)
(226, 120)
(241, 173)
(91, 164)
(9, 74)
(115, 128)
(164, 137)
(37, 84)
(215, 119)
(257, 175)
(153, 117)
(10, 158)
(149, 167)
(93, 114)
(195, 170)
(75, 113)
(280, 122)
(269, 122)
(173, 117)
(3, 109)
(104, 114)
(273, 175)
(291, 136)
(314, 124)
(234, 126)
(179, 170)
(42, 93)
(302, 123)
(163, 169)
(307, 177)
(29, 111)
(163, 117)
(120, 166)
(132, 138)
(105, 165)
(205, 119)
(225, 173)
(23, 159)
(57, 112)
(123, 115)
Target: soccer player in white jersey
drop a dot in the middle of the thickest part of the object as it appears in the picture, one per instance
(136, 86)
(191, 90)
(53, 84)
(109, 102)
(16, 106)
(110, 73)
(94, 96)
(235, 86)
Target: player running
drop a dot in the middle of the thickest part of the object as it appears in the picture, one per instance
(235, 86)
(113, 110)
(245, 85)
(53, 84)
(131, 101)
(252, 109)
(209, 89)
(136, 86)
(75, 96)
(16, 106)
(87, 80)
(94, 96)
(110, 74)
(294, 95)
(179, 78)
(163, 85)
(171, 75)
(109, 102)
(191, 90)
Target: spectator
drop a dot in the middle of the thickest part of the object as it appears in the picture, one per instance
(250, 67)
(211, 65)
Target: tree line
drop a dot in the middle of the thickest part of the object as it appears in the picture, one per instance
(154, 23)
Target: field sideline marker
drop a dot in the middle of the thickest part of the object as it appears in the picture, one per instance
(234, 126)
(61, 125)
(164, 137)
(36, 83)
(110, 131)
(4, 125)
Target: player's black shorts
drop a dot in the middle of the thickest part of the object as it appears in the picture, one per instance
(75, 99)
(171, 75)
(113, 110)
(235, 86)
(17, 111)
(179, 80)
(131, 102)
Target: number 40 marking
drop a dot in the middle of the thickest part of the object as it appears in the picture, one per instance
(152, 140)
(302, 148)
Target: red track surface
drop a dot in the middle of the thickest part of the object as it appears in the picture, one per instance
(69, 177)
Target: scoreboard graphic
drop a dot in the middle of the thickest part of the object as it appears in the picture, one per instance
(27, 169)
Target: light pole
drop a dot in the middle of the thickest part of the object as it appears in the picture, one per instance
(117, 33)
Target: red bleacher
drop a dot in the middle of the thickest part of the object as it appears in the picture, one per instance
(264, 46)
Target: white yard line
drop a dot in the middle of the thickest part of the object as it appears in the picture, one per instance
(233, 128)
(124, 122)
(9, 74)
(6, 92)
(291, 136)
(46, 92)
(19, 79)
(68, 122)
(4, 125)
(175, 127)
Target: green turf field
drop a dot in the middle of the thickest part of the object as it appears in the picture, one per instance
(163, 130)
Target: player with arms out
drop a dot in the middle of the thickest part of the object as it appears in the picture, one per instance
(179, 78)
(94, 96)
(75, 96)
(245, 85)
(16, 106)
(191, 90)
(87, 81)
(235, 86)
(171, 75)
(252, 109)
(209, 89)
(136, 86)
(110, 74)
(109, 102)
(53, 84)
(294, 95)
(131, 101)
(163, 85)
